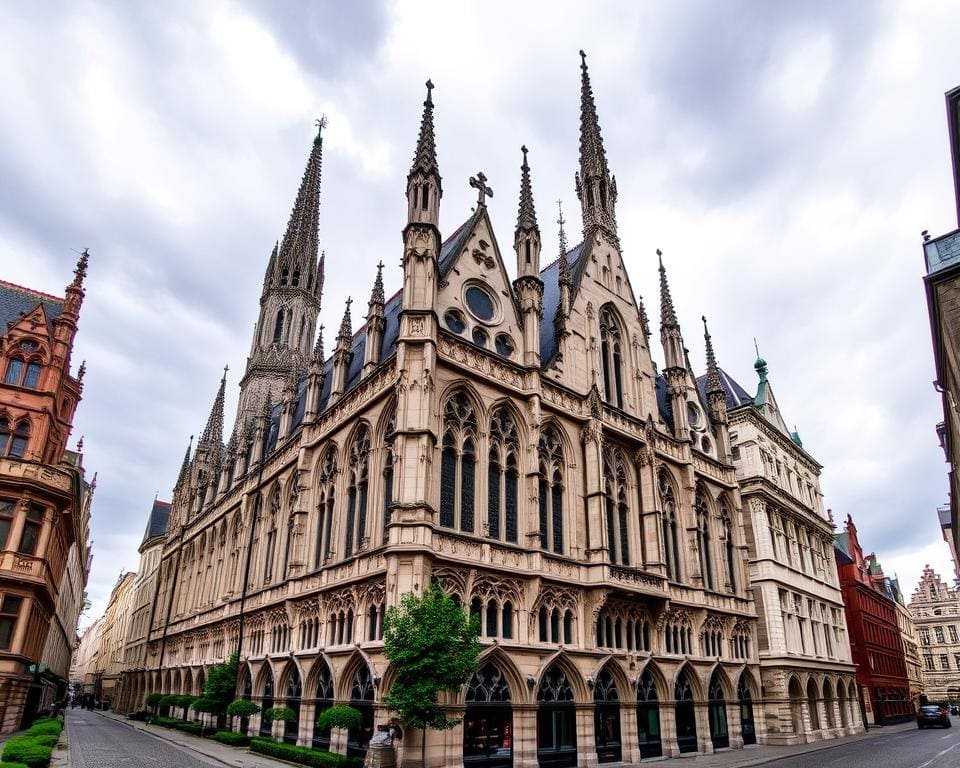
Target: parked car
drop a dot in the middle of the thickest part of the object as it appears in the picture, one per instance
(933, 714)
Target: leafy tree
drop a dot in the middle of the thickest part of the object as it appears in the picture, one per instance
(435, 648)
(219, 688)
(340, 716)
(153, 700)
(281, 714)
(242, 708)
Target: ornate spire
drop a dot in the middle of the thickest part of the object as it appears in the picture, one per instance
(318, 354)
(425, 157)
(298, 249)
(346, 325)
(713, 372)
(376, 295)
(596, 188)
(81, 270)
(668, 316)
(644, 320)
(526, 214)
(74, 292)
(563, 273)
(213, 432)
(185, 465)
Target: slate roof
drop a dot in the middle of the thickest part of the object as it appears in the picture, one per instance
(157, 522)
(15, 300)
(551, 300)
(736, 395)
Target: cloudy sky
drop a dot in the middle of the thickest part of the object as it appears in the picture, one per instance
(785, 157)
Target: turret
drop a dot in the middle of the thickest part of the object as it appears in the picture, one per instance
(376, 322)
(342, 354)
(528, 287)
(596, 188)
(423, 182)
(716, 399)
(674, 357)
(65, 324)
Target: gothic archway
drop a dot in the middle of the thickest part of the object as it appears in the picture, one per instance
(748, 727)
(293, 695)
(556, 721)
(324, 700)
(648, 717)
(795, 693)
(361, 698)
(812, 705)
(685, 714)
(266, 701)
(488, 721)
(717, 708)
(606, 719)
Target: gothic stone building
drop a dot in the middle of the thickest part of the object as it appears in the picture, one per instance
(511, 440)
(44, 501)
(936, 612)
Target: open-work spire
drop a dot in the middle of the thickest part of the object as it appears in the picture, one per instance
(425, 157)
(713, 372)
(596, 188)
(213, 432)
(526, 213)
(668, 315)
(297, 254)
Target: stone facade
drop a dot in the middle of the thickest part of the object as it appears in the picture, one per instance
(911, 646)
(936, 612)
(807, 674)
(44, 501)
(511, 440)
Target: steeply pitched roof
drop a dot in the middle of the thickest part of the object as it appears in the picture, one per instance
(16, 300)
(551, 300)
(736, 395)
(157, 522)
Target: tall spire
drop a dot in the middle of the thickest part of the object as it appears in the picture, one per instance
(596, 188)
(75, 293)
(713, 372)
(425, 157)
(298, 248)
(668, 315)
(526, 214)
(213, 432)
(563, 272)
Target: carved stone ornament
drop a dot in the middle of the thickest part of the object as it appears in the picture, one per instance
(483, 259)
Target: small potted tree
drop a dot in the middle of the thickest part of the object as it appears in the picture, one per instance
(241, 708)
(280, 715)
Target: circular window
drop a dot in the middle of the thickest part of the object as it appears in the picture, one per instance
(454, 321)
(693, 415)
(504, 345)
(480, 337)
(480, 303)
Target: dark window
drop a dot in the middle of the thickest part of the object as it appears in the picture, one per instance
(480, 303)
(491, 619)
(32, 378)
(502, 477)
(278, 327)
(21, 436)
(31, 530)
(7, 509)
(617, 517)
(14, 371)
(506, 622)
(454, 321)
(543, 623)
(480, 337)
(504, 345)
(357, 493)
(9, 610)
(458, 464)
(611, 357)
(703, 537)
(388, 480)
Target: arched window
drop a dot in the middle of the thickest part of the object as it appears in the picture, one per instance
(327, 495)
(648, 717)
(615, 500)
(388, 477)
(684, 714)
(502, 477)
(611, 353)
(21, 436)
(729, 547)
(703, 537)
(278, 327)
(271, 540)
(295, 280)
(32, 377)
(671, 544)
(556, 720)
(357, 494)
(458, 464)
(324, 697)
(14, 371)
(550, 453)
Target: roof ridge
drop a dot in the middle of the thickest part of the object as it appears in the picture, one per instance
(33, 291)
(557, 260)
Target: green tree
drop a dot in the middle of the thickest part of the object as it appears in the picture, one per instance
(219, 688)
(434, 647)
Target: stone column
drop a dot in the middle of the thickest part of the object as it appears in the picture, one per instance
(704, 743)
(629, 738)
(734, 724)
(525, 736)
(586, 738)
(668, 731)
(445, 748)
(307, 717)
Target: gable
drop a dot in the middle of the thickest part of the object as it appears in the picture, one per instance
(19, 304)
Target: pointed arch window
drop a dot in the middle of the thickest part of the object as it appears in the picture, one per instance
(671, 545)
(278, 327)
(14, 371)
(502, 477)
(729, 547)
(271, 540)
(14, 443)
(325, 508)
(703, 536)
(357, 494)
(616, 510)
(611, 354)
(388, 477)
(458, 464)
(550, 454)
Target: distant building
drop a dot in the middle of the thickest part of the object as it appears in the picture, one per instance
(44, 501)
(936, 612)
(87, 668)
(113, 637)
(942, 283)
(808, 678)
(911, 644)
(875, 642)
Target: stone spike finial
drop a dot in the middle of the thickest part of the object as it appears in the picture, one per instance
(668, 315)
(81, 270)
(346, 325)
(713, 372)
(425, 156)
(318, 354)
(596, 188)
(563, 273)
(526, 213)
(185, 465)
(213, 433)
(376, 295)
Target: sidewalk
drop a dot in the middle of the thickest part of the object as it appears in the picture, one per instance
(214, 750)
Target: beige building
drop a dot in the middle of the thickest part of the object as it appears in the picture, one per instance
(911, 645)
(113, 636)
(936, 613)
(513, 441)
(809, 680)
(86, 667)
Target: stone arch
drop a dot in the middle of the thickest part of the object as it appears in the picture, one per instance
(696, 682)
(828, 702)
(797, 698)
(813, 696)
(660, 681)
(625, 687)
(519, 690)
(520, 419)
(562, 660)
(748, 678)
(378, 431)
(176, 681)
(281, 680)
(718, 670)
(343, 683)
(353, 435)
(199, 681)
(260, 679)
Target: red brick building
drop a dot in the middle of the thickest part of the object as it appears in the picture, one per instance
(875, 641)
(44, 501)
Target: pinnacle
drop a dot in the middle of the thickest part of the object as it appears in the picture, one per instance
(526, 214)
(213, 432)
(713, 372)
(668, 316)
(346, 325)
(377, 296)
(318, 355)
(425, 156)
(563, 271)
(593, 158)
(299, 245)
(81, 270)
(185, 466)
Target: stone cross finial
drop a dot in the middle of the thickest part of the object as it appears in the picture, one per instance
(479, 182)
(321, 123)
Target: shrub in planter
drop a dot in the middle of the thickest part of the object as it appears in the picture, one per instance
(166, 722)
(340, 716)
(229, 738)
(280, 714)
(205, 704)
(23, 749)
(168, 700)
(242, 708)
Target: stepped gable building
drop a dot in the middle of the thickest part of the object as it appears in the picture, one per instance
(508, 438)
(935, 608)
(875, 642)
(44, 501)
(808, 677)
